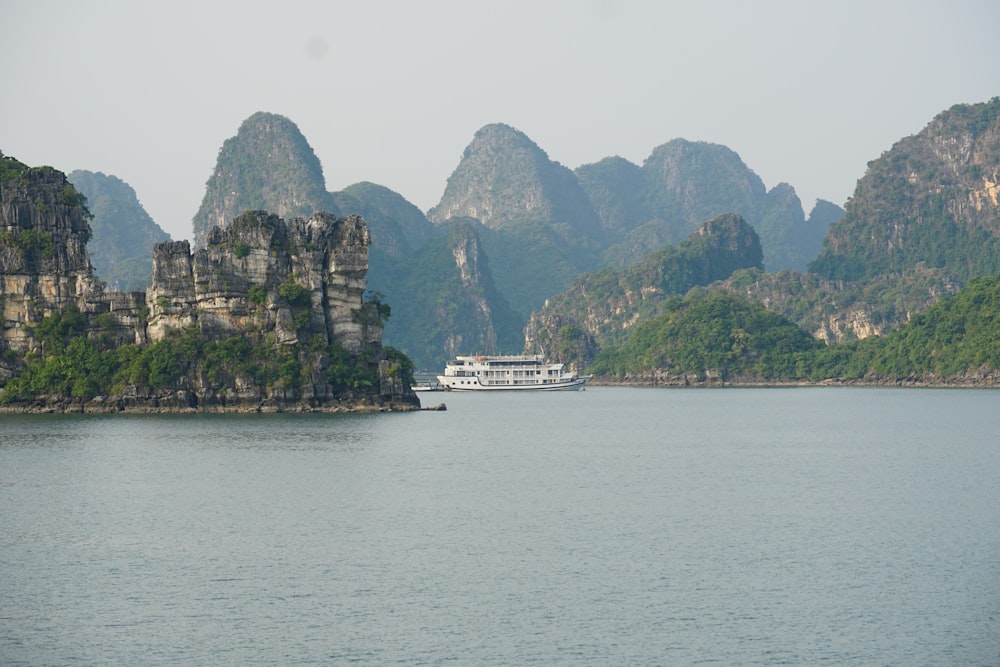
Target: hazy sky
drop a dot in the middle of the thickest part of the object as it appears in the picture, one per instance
(392, 92)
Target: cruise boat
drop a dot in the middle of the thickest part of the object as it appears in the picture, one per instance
(508, 373)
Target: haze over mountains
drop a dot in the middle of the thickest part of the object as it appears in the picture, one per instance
(534, 222)
(514, 229)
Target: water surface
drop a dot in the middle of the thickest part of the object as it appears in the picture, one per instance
(611, 526)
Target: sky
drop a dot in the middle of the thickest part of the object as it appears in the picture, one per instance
(391, 92)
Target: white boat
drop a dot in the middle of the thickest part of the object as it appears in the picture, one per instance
(508, 373)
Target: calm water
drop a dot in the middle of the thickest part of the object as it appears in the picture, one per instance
(607, 527)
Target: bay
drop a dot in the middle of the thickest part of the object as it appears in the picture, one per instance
(610, 526)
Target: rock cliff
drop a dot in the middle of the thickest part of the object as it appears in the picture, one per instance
(44, 264)
(931, 199)
(263, 275)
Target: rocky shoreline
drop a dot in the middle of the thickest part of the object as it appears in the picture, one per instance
(184, 403)
(984, 381)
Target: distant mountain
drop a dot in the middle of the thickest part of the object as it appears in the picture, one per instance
(443, 299)
(121, 247)
(683, 183)
(504, 179)
(397, 227)
(933, 199)
(601, 306)
(540, 230)
(267, 166)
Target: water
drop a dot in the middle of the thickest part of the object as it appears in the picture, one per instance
(611, 526)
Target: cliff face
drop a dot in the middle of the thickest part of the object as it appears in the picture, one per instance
(445, 301)
(267, 276)
(262, 291)
(932, 199)
(835, 311)
(44, 264)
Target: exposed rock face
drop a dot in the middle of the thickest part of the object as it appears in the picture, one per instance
(44, 264)
(326, 256)
(269, 166)
(445, 301)
(836, 310)
(466, 251)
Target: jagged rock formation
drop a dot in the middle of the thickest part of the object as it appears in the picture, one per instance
(263, 290)
(44, 264)
(601, 306)
(539, 224)
(932, 199)
(326, 256)
(121, 246)
(267, 166)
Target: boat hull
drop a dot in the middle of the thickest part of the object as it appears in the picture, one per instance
(451, 384)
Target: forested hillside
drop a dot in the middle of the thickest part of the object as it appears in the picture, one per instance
(601, 306)
(932, 199)
(715, 337)
(121, 247)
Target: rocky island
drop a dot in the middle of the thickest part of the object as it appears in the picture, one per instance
(269, 315)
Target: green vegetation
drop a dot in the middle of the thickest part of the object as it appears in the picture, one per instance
(958, 335)
(717, 334)
(73, 365)
(10, 168)
(712, 332)
(913, 205)
(270, 166)
(30, 243)
(300, 300)
(397, 227)
(257, 295)
(609, 300)
(433, 307)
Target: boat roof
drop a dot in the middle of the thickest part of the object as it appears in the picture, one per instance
(501, 357)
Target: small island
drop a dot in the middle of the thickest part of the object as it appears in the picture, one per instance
(269, 315)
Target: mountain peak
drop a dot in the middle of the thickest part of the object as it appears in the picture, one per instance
(269, 166)
(504, 179)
